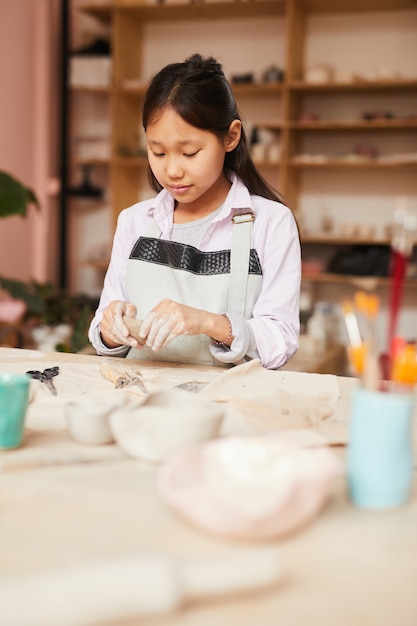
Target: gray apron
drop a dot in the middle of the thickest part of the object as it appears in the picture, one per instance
(225, 281)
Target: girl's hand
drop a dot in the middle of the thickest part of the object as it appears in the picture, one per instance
(169, 319)
(114, 332)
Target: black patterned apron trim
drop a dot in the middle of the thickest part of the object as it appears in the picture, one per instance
(188, 258)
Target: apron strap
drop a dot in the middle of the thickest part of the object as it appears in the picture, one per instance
(239, 261)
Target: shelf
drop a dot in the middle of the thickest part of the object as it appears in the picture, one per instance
(270, 125)
(95, 90)
(257, 89)
(343, 241)
(356, 6)
(228, 9)
(180, 11)
(135, 91)
(92, 162)
(142, 161)
(351, 164)
(98, 265)
(323, 125)
(130, 161)
(346, 279)
(102, 11)
(249, 90)
(366, 85)
(265, 164)
(202, 10)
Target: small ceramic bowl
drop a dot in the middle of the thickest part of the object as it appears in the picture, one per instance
(88, 416)
(164, 422)
(320, 73)
(249, 487)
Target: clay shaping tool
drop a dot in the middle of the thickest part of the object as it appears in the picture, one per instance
(122, 376)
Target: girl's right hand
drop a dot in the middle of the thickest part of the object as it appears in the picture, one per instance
(113, 331)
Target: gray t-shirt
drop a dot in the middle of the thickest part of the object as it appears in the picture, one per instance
(192, 232)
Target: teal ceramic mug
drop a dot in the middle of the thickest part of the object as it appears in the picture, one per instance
(14, 399)
(380, 453)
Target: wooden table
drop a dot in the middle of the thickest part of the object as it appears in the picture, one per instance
(349, 568)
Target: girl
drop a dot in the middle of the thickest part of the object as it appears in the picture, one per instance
(212, 264)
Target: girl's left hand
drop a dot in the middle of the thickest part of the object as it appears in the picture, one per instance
(168, 320)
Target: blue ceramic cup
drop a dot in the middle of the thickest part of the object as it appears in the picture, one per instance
(14, 399)
(380, 453)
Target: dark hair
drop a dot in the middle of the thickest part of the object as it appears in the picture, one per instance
(198, 91)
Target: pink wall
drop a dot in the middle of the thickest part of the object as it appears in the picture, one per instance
(28, 132)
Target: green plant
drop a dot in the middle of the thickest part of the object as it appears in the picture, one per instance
(15, 197)
(45, 304)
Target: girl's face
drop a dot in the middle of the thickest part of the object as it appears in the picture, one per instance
(188, 161)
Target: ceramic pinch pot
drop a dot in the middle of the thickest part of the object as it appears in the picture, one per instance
(319, 73)
(251, 488)
(87, 416)
(164, 422)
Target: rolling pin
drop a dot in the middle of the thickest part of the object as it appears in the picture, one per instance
(134, 327)
(117, 589)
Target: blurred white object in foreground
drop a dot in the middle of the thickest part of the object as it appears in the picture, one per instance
(249, 487)
(137, 585)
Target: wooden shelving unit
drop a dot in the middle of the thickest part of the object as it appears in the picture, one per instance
(127, 165)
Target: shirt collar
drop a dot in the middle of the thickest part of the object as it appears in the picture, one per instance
(238, 199)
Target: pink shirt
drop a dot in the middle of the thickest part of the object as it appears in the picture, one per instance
(272, 333)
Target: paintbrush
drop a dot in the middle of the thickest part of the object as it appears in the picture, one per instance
(405, 226)
(356, 348)
(368, 305)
